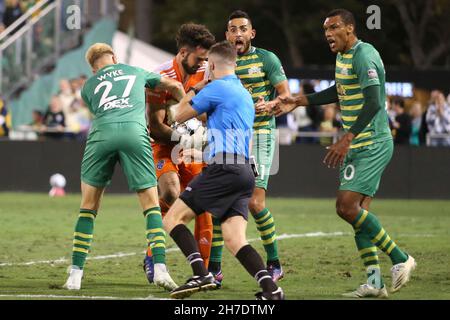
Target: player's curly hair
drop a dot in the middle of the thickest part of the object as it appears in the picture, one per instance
(193, 35)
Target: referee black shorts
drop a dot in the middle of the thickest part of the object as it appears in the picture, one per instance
(224, 190)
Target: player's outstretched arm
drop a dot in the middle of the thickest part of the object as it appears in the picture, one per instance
(174, 87)
(290, 103)
(283, 91)
(184, 111)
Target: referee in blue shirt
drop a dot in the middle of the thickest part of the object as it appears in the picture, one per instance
(225, 186)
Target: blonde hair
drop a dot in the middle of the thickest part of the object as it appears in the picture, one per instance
(96, 51)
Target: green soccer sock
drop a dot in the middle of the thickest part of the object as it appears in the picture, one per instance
(368, 253)
(82, 237)
(215, 257)
(372, 228)
(156, 236)
(266, 227)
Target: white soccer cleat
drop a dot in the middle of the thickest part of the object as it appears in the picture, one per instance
(162, 277)
(401, 273)
(367, 291)
(74, 280)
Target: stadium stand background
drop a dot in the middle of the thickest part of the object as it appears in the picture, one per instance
(45, 52)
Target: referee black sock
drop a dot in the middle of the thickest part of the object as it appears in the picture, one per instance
(186, 242)
(253, 263)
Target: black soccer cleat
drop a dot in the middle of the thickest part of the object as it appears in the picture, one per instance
(193, 285)
(276, 295)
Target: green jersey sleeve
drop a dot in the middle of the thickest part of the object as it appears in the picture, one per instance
(151, 79)
(368, 66)
(273, 69)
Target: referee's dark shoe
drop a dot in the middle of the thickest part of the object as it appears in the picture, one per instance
(193, 285)
(276, 295)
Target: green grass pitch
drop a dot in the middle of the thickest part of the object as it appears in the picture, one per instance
(318, 252)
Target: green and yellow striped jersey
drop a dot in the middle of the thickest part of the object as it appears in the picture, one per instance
(357, 69)
(260, 71)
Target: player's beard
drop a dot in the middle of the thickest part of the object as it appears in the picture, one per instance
(187, 67)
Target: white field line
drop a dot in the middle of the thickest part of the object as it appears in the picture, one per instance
(121, 254)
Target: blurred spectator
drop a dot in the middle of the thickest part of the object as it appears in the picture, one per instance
(78, 120)
(37, 120)
(75, 85)
(315, 113)
(329, 124)
(28, 4)
(286, 128)
(13, 11)
(416, 123)
(401, 123)
(54, 119)
(303, 119)
(5, 119)
(438, 118)
(2, 11)
(66, 95)
(390, 113)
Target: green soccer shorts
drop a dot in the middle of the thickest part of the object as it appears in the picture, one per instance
(123, 142)
(363, 167)
(263, 148)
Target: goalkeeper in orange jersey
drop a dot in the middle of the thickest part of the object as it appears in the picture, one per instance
(188, 67)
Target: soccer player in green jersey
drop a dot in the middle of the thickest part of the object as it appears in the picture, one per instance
(263, 76)
(115, 95)
(365, 149)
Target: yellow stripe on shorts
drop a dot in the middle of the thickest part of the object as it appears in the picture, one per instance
(362, 144)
